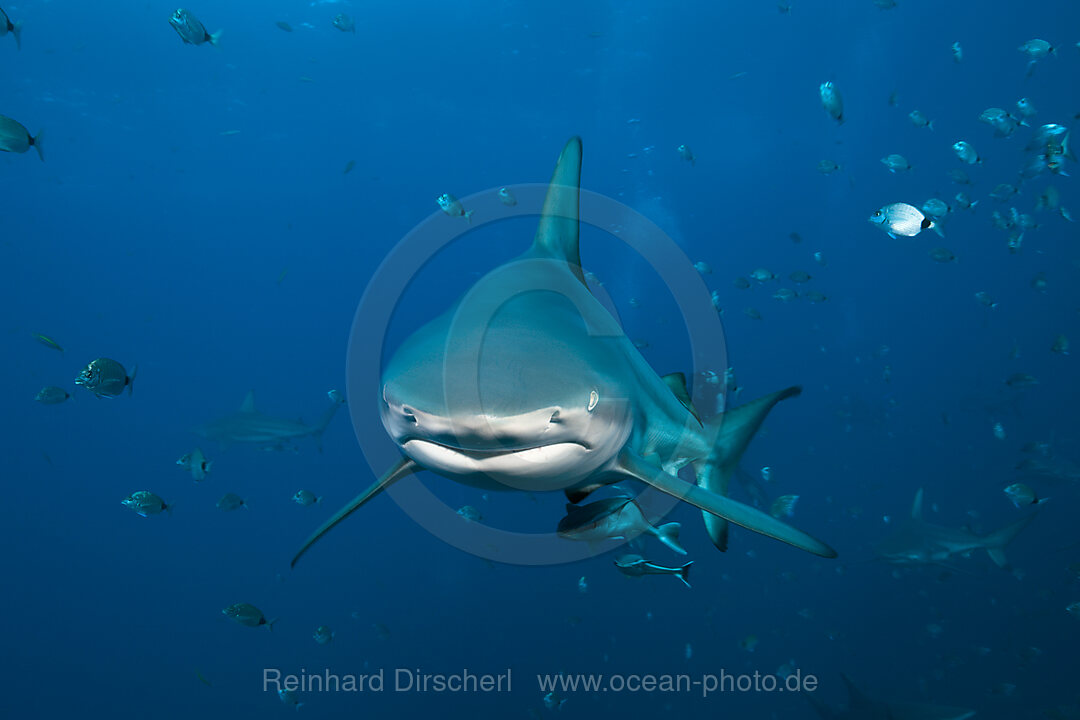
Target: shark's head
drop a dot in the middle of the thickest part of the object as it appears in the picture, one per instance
(528, 410)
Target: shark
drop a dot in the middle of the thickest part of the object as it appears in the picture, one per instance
(249, 426)
(918, 542)
(862, 707)
(528, 382)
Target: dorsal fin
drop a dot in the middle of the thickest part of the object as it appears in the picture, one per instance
(916, 507)
(676, 382)
(558, 231)
(859, 703)
(248, 406)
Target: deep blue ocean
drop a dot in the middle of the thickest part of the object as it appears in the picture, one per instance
(194, 216)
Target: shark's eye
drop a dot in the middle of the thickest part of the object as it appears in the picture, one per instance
(594, 398)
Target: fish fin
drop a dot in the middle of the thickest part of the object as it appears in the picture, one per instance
(215, 38)
(558, 231)
(996, 541)
(579, 493)
(36, 142)
(400, 469)
(131, 380)
(468, 216)
(892, 235)
(683, 573)
(669, 535)
(676, 382)
(916, 506)
(729, 509)
(324, 421)
(859, 703)
(16, 31)
(936, 227)
(732, 432)
(248, 406)
(270, 625)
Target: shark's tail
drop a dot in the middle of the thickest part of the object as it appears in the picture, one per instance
(732, 432)
(995, 542)
(324, 421)
(683, 573)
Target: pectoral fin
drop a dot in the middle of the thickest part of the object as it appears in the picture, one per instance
(402, 468)
(731, 510)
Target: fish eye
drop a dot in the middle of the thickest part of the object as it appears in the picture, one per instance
(877, 213)
(594, 398)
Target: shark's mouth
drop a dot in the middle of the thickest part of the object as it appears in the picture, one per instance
(484, 453)
(506, 465)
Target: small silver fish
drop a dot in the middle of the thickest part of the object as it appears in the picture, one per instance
(762, 275)
(957, 52)
(687, 154)
(959, 177)
(52, 395)
(196, 464)
(827, 167)
(966, 152)
(1061, 345)
(469, 513)
(800, 276)
(936, 209)
(703, 267)
(17, 139)
(305, 498)
(248, 615)
(453, 207)
(964, 202)
(1037, 49)
(901, 219)
(1021, 495)
(106, 378)
(190, 30)
(941, 255)
(637, 566)
(896, 163)
(919, 120)
(985, 300)
(344, 23)
(230, 502)
(1025, 107)
(613, 518)
(506, 197)
(832, 101)
(6, 26)
(290, 698)
(323, 635)
(145, 503)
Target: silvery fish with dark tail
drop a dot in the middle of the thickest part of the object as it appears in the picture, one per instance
(6, 26)
(106, 378)
(190, 30)
(248, 615)
(901, 219)
(145, 503)
(17, 139)
(614, 518)
(52, 395)
(344, 23)
(637, 566)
